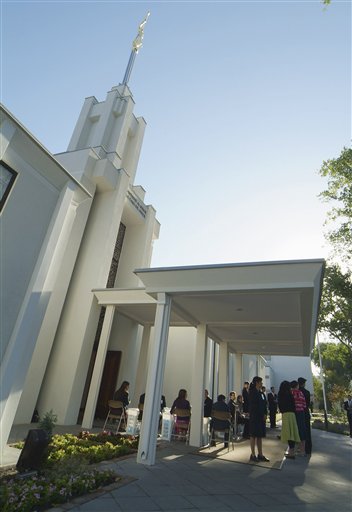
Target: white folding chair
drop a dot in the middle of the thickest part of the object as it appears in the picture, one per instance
(116, 414)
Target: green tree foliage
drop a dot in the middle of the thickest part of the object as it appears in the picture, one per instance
(336, 396)
(336, 306)
(337, 365)
(335, 317)
(339, 195)
(318, 393)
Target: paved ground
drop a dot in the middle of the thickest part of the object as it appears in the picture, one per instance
(181, 480)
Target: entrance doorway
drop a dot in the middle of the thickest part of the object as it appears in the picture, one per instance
(108, 382)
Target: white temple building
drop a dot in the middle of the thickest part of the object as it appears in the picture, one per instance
(81, 309)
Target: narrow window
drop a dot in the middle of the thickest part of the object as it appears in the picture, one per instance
(7, 178)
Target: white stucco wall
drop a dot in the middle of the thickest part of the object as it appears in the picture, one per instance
(180, 362)
(290, 368)
(126, 337)
(22, 236)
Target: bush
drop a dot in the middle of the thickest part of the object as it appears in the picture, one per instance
(66, 473)
(337, 425)
(92, 447)
(48, 422)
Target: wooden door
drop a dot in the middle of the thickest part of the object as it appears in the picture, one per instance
(108, 382)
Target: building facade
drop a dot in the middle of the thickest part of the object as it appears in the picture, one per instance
(74, 226)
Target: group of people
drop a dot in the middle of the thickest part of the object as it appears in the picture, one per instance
(293, 402)
(250, 411)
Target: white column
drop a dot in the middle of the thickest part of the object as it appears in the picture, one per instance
(197, 391)
(151, 411)
(238, 374)
(141, 375)
(95, 382)
(223, 369)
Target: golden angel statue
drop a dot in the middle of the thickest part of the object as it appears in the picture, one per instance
(137, 43)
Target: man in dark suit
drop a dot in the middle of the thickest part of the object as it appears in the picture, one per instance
(245, 398)
(347, 405)
(272, 402)
(308, 445)
(208, 403)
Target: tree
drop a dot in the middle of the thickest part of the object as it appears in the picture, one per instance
(336, 363)
(335, 316)
(336, 305)
(318, 393)
(339, 193)
(336, 396)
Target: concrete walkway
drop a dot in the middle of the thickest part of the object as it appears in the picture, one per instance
(181, 480)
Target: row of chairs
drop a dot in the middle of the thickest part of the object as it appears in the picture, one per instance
(117, 417)
(181, 426)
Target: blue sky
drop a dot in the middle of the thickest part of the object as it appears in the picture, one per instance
(243, 102)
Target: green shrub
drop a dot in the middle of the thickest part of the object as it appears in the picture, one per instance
(48, 422)
(66, 473)
(333, 426)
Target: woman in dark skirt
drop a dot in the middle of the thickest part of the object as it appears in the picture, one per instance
(257, 416)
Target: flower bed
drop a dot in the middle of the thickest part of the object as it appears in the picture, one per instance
(65, 473)
(93, 447)
(40, 492)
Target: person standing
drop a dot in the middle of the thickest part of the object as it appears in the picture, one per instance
(272, 401)
(208, 403)
(289, 429)
(257, 415)
(300, 406)
(245, 399)
(245, 396)
(263, 392)
(302, 387)
(347, 405)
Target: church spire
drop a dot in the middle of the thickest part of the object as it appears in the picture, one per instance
(136, 45)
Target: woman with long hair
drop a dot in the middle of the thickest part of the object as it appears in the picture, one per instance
(181, 401)
(289, 429)
(121, 394)
(257, 414)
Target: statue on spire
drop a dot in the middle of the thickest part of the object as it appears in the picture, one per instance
(137, 43)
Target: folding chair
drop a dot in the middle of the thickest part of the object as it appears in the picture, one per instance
(221, 416)
(181, 426)
(116, 414)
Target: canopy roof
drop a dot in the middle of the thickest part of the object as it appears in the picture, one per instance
(257, 308)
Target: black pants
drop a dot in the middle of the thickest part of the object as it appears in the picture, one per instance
(272, 416)
(226, 439)
(308, 443)
(349, 417)
(246, 428)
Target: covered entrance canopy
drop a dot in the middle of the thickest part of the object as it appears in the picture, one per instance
(256, 308)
